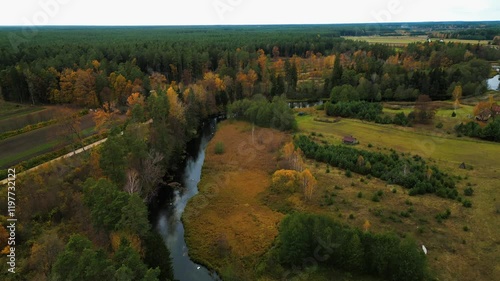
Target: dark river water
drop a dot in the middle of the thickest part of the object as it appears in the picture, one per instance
(168, 219)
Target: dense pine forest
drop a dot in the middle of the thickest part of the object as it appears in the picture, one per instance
(90, 67)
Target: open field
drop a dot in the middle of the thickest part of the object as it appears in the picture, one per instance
(227, 215)
(454, 254)
(15, 116)
(443, 115)
(10, 110)
(229, 224)
(404, 40)
(26, 146)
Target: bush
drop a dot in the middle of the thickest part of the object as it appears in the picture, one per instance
(467, 204)
(439, 125)
(466, 228)
(468, 191)
(375, 198)
(360, 194)
(443, 216)
(454, 114)
(405, 214)
(219, 148)
(348, 173)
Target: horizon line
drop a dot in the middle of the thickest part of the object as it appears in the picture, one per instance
(253, 24)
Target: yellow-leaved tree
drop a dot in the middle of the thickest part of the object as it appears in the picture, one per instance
(285, 181)
(367, 225)
(135, 99)
(176, 107)
(309, 183)
(457, 94)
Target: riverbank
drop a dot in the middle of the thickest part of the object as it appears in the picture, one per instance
(227, 227)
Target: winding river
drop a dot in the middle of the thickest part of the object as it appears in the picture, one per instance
(168, 219)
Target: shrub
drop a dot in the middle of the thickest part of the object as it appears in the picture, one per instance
(466, 228)
(348, 173)
(454, 114)
(360, 194)
(351, 216)
(375, 198)
(467, 204)
(439, 125)
(219, 148)
(443, 216)
(468, 191)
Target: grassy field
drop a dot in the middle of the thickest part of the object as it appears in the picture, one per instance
(229, 225)
(443, 115)
(403, 40)
(22, 147)
(16, 116)
(226, 224)
(454, 254)
(10, 110)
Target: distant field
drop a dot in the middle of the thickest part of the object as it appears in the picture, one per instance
(11, 110)
(407, 39)
(443, 114)
(28, 145)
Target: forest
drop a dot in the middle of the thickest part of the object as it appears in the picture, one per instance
(150, 90)
(90, 67)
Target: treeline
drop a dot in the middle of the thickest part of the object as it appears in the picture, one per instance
(308, 239)
(369, 111)
(489, 132)
(276, 114)
(356, 109)
(90, 67)
(410, 172)
(422, 68)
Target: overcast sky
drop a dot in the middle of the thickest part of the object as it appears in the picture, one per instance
(221, 12)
